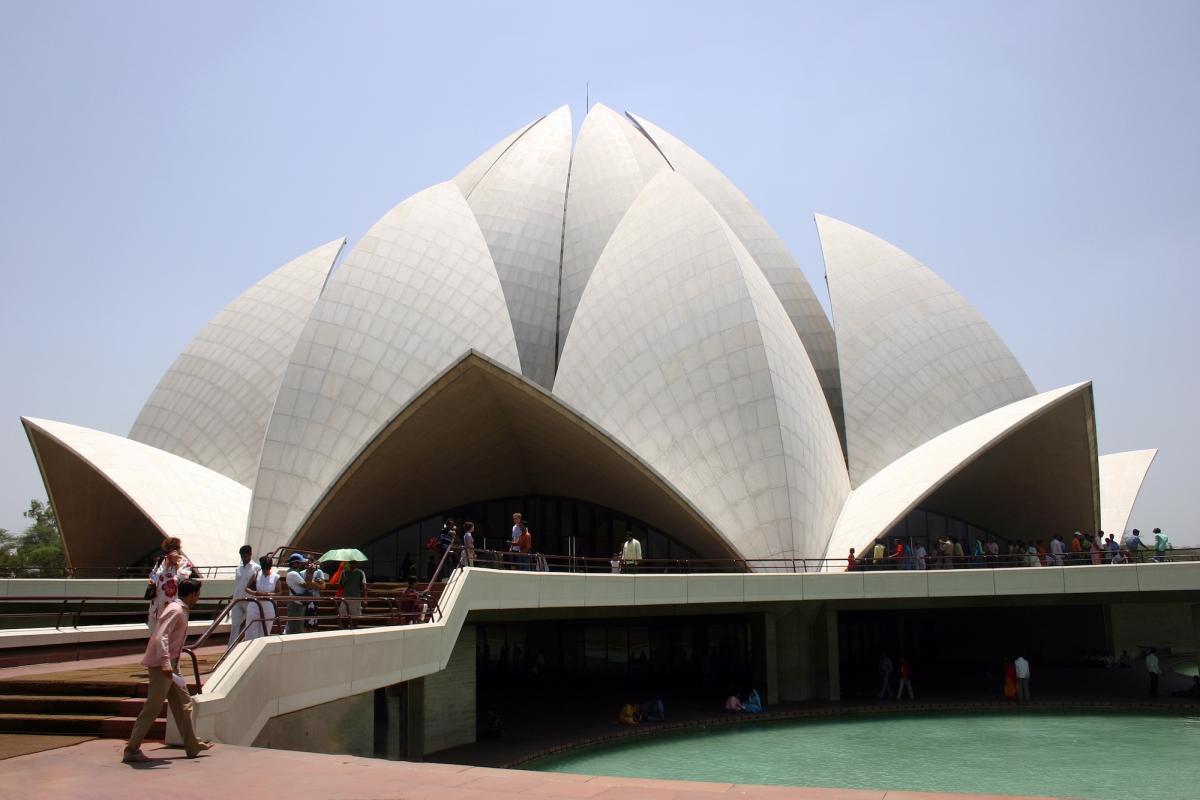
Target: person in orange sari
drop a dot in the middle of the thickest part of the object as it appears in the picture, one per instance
(1010, 681)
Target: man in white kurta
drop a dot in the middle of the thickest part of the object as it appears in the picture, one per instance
(245, 576)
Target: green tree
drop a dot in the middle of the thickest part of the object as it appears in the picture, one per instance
(39, 547)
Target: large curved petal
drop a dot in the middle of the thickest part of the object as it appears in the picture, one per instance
(1026, 469)
(416, 293)
(916, 359)
(479, 430)
(519, 205)
(468, 178)
(681, 351)
(610, 166)
(213, 404)
(1121, 477)
(768, 251)
(115, 499)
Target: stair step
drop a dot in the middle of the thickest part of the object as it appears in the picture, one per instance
(73, 688)
(108, 706)
(78, 724)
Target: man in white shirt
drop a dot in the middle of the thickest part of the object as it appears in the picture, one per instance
(246, 575)
(516, 537)
(631, 552)
(1057, 550)
(300, 582)
(921, 555)
(1022, 667)
(1154, 669)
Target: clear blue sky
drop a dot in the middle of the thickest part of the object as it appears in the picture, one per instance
(158, 158)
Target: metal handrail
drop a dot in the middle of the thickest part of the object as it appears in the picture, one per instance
(77, 612)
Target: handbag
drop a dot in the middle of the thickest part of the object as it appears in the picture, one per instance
(152, 588)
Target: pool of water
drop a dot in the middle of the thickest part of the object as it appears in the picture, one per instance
(1094, 756)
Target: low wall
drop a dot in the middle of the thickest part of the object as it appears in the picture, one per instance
(278, 675)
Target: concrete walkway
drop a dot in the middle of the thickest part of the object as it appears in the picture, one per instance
(92, 771)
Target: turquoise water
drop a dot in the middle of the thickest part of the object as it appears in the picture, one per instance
(1093, 756)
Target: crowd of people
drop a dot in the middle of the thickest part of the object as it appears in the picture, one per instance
(948, 552)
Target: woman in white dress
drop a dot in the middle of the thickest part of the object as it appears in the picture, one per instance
(264, 590)
(173, 567)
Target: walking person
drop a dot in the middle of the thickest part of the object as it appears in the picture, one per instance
(1161, 545)
(162, 664)
(1154, 670)
(905, 680)
(524, 547)
(468, 543)
(516, 537)
(172, 567)
(885, 673)
(352, 588)
(245, 577)
(1022, 668)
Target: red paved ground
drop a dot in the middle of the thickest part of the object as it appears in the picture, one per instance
(92, 771)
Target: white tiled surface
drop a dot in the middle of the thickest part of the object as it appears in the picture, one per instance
(611, 164)
(875, 506)
(682, 352)
(213, 404)
(519, 205)
(467, 179)
(1121, 476)
(203, 508)
(413, 296)
(916, 359)
(767, 250)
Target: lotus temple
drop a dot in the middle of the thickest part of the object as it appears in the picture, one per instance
(605, 337)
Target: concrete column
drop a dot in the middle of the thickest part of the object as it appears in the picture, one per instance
(447, 701)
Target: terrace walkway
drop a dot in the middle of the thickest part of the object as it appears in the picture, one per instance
(92, 771)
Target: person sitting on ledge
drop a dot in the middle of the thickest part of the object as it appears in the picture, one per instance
(1192, 691)
(753, 704)
(734, 705)
(653, 711)
(629, 715)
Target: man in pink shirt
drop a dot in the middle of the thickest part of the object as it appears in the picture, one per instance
(162, 662)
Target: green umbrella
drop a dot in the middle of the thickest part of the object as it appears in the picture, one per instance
(345, 554)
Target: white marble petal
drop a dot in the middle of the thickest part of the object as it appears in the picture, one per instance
(681, 351)
(767, 250)
(611, 164)
(916, 359)
(1121, 477)
(875, 506)
(413, 296)
(519, 204)
(213, 404)
(178, 497)
(469, 177)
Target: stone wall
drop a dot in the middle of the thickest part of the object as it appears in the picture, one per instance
(343, 727)
(449, 698)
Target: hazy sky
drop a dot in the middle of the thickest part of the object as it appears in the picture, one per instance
(156, 159)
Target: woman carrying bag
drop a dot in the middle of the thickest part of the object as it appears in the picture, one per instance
(163, 583)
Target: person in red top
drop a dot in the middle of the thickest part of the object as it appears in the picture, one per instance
(162, 663)
(905, 680)
(525, 546)
(851, 562)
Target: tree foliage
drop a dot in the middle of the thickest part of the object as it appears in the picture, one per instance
(39, 549)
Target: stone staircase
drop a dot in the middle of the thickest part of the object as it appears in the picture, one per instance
(105, 708)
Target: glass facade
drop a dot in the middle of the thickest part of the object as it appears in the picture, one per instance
(559, 526)
(927, 527)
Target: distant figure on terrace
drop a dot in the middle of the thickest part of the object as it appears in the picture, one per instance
(631, 552)
(1111, 546)
(1154, 670)
(244, 578)
(1058, 551)
(266, 586)
(516, 537)
(958, 551)
(171, 567)
(885, 674)
(1021, 669)
(733, 704)
(850, 562)
(1132, 544)
(301, 580)
(468, 541)
(629, 715)
(878, 554)
(753, 704)
(352, 588)
(1010, 681)
(1096, 548)
(1161, 545)
(919, 556)
(524, 547)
